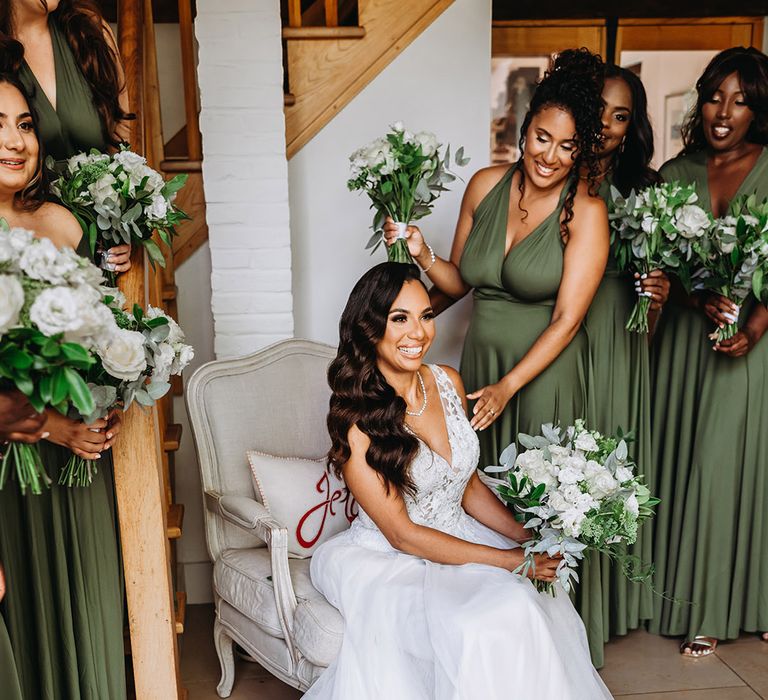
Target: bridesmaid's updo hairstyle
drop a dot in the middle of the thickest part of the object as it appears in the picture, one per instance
(360, 394)
(631, 165)
(751, 66)
(34, 195)
(83, 27)
(574, 84)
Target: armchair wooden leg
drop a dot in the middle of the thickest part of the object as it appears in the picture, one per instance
(224, 644)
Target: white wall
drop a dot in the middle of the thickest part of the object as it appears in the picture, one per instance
(439, 83)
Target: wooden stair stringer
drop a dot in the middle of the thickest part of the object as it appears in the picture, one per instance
(325, 75)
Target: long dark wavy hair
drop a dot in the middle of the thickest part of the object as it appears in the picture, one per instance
(360, 394)
(83, 27)
(35, 193)
(574, 84)
(751, 66)
(631, 164)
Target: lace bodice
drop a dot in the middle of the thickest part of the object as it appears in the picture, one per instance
(440, 485)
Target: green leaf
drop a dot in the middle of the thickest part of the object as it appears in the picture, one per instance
(59, 386)
(174, 184)
(757, 282)
(79, 392)
(76, 353)
(155, 255)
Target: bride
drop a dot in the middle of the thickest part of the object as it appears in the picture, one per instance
(424, 576)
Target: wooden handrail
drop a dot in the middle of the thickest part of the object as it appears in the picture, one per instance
(138, 472)
(189, 71)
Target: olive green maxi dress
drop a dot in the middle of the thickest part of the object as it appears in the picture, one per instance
(619, 397)
(513, 301)
(64, 603)
(710, 414)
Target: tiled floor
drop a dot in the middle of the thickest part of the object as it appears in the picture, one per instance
(640, 666)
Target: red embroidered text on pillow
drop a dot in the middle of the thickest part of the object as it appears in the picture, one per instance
(333, 499)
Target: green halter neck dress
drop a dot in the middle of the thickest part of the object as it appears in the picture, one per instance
(64, 603)
(514, 296)
(619, 397)
(710, 443)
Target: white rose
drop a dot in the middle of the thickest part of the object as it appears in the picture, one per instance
(691, 221)
(175, 334)
(157, 209)
(428, 143)
(585, 442)
(11, 302)
(623, 474)
(570, 475)
(603, 484)
(184, 355)
(530, 460)
(558, 454)
(96, 321)
(632, 505)
(20, 239)
(41, 261)
(649, 223)
(57, 310)
(129, 160)
(558, 501)
(122, 354)
(162, 361)
(103, 189)
(397, 126)
(572, 520)
(76, 162)
(592, 469)
(7, 252)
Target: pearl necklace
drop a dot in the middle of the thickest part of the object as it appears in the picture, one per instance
(423, 405)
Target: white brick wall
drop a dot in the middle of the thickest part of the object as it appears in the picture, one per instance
(245, 172)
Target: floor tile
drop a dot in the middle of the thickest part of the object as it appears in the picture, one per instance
(709, 694)
(647, 663)
(748, 657)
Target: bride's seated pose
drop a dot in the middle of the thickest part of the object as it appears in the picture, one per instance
(424, 576)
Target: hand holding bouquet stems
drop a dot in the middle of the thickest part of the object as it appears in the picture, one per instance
(733, 262)
(657, 228)
(118, 200)
(403, 174)
(575, 490)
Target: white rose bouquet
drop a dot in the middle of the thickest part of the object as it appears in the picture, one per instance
(734, 257)
(657, 228)
(50, 314)
(575, 490)
(403, 174)
(119, 199)
(137, 359)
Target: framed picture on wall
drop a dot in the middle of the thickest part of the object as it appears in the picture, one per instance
(513, 80)
(675, 111)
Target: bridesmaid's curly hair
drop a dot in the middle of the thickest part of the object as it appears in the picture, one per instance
(83, 27)
(360, 394)
(35, 194)
(574, 84)
(751, 66)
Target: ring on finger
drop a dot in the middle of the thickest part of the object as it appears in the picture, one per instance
(491, 411)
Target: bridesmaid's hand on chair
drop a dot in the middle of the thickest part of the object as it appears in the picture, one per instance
(491, 402)
(413, 237)
(119, 258)
(655, 285)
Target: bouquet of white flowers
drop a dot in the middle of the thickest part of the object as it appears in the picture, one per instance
(734, 257)
(575, 490)
(136, 360)
(50, 316)
(119, 199)
(403, 174)
(657, 228)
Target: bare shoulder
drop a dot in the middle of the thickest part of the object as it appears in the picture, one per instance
(59, 225)
(588, 210)
(483, 181)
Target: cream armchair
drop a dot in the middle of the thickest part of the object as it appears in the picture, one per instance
(274, 401)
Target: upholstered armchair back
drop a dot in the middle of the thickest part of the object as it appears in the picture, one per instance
(274, 401)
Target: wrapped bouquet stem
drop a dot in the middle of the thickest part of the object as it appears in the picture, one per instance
(403, 174)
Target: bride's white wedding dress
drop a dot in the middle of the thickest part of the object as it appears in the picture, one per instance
(416, 630)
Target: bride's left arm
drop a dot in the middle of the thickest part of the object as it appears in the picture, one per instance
(478, 500)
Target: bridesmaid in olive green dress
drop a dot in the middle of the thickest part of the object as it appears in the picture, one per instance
(620, 386)
(60, 549)
(711, 408)
(532, 243)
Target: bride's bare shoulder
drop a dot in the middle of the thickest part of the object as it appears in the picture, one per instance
(59, 225)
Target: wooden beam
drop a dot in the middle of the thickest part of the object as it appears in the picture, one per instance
(189, 74)
(138, 472)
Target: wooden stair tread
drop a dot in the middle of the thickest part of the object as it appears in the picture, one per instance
(289, 99)
(169, 292)
(181, 611)
(175, 520)
(172, 437)
(181, 165)
(323, 32)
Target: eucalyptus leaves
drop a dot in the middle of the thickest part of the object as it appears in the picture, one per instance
(119, 199)
(403, 174)
(576, 490)
(657, 228)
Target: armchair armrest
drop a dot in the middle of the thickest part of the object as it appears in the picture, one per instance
(251, 516)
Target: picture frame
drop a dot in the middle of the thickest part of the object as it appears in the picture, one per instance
(675, 111)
